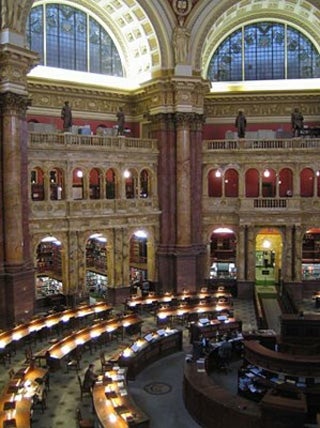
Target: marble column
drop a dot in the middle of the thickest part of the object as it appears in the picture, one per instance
(183, 179)
(241, 254)
(119, 290)
(17, 274)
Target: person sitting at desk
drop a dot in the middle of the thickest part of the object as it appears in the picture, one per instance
(90, 377)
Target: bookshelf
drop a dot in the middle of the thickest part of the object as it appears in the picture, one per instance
(96, 256)
(49, 260)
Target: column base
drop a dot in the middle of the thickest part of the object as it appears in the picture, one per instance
(117, 296)
(17, 303)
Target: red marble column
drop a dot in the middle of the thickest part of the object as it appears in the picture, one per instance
(17, 273)
(180, 253)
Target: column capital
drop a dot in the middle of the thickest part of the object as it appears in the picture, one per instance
(189, 119)
(12, 103)
(15, 64)
(170, 94)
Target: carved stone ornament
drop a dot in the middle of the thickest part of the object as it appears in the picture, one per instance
(182, 7)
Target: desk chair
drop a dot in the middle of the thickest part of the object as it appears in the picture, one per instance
(40, 401)
(105, 365)
(29, 355)
(5, 357)
(83, 423)
(11, 373)
(83, 390)
(73, 361)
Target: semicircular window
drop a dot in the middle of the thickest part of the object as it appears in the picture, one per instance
(69, 38)
(264, 51)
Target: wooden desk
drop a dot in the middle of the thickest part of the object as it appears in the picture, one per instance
(148, 349)
(66, 345)
(304, 329)
(35, 325)
(174, 299)
(190, 312)
(20, 392)
(207, 402)
(266, 337)
(213, 328)
(113, 405)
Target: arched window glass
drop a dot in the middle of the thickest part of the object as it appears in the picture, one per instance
(264, 51)
(66, 37)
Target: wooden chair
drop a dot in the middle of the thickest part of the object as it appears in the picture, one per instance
(11, 373)
(73, 362)
(83, 390)
(40, 401)
(83, 423)
(29, 355)
(5, 356)
(105, 365)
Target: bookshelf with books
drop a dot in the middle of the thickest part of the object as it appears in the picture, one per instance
(49, 260)
(96, 256)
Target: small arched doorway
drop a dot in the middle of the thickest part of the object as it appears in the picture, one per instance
(97, 266)
(223, 247)
(268, 257)
(49, 282)
(139, 262)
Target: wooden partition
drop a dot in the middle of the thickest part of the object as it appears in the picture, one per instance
(294, 365)
(211, 405)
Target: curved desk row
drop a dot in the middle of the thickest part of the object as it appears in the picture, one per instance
(171, 299)
(214, 327)
(63, 347)
(295, 365)
(113, 405)
(37, 324)
(211, 405)
(189, 313)
(17, 398)
(148, 349)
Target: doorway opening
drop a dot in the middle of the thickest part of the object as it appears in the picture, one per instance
(268, 257)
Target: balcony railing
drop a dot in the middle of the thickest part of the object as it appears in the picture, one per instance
(248, 144)
(37, 139)
(92, 208)
(242, 204)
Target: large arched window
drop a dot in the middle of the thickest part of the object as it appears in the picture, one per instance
(264, 51)
(69, 38)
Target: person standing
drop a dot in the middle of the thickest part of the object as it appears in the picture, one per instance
(120, 120)
(241, 124)
(66, 116)
(296, 122)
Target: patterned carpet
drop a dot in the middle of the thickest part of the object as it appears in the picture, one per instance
(64, 394)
